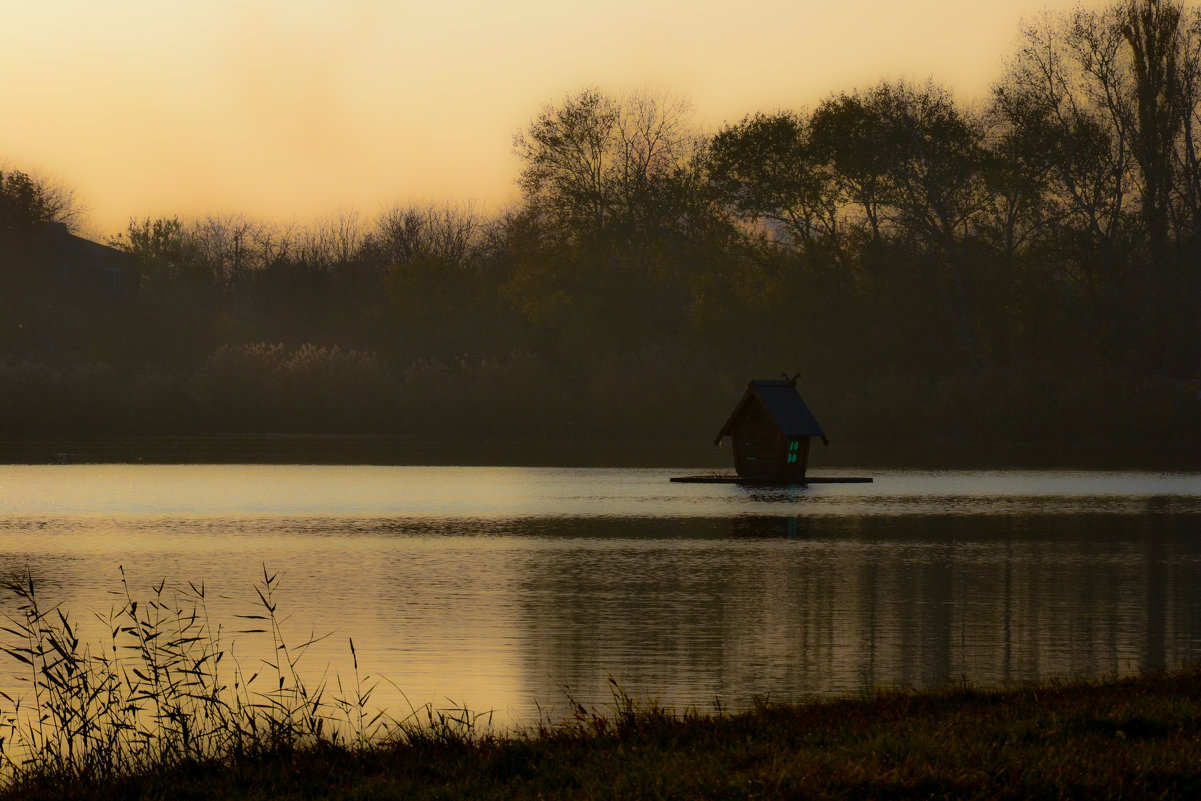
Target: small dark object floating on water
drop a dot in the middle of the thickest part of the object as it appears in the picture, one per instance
(771, 428)
(768, 482)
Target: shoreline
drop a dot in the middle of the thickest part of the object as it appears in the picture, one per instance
(1130, 737)
(320, 449)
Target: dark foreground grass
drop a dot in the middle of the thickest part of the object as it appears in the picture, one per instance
(1133, 738)
(152, 715)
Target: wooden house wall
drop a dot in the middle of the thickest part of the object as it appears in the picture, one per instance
(802, 462)
(756, 441)
(760, 450)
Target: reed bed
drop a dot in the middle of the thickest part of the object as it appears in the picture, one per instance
(162, 689)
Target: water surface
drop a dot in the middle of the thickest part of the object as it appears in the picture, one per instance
(508, 588)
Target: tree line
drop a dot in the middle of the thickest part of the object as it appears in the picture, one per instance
(1023, 268)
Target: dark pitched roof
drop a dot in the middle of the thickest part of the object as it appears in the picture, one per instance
(84, 267)
(782, 400)
(65, 249)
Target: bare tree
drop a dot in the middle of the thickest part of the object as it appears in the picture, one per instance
(450, 234)
(335, 240)
(1063, 99)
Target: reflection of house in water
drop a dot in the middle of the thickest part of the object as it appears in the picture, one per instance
(792, 527)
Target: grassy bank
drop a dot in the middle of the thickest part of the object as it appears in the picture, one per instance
(1133, 738)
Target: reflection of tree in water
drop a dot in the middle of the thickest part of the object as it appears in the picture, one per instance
(909, 601)
(647, 613)
(729, 618)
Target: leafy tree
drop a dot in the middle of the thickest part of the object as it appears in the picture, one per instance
(845, 136)
(913, 165)
(1115, 96)
(1152, 30)
(179, 295)
(26, 203)
(28, 299)
(766, 169)
(568, 155)
(168, 256)
(439, 303)
(594, 165)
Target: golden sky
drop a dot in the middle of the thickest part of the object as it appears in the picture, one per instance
(297, 109)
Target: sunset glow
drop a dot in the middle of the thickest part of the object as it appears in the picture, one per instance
(297, 109)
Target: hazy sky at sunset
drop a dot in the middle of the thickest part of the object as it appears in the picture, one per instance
(294, 109)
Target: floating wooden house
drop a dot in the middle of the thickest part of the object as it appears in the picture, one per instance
(771, 428)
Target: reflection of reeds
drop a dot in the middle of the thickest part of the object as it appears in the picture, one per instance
(163, 689)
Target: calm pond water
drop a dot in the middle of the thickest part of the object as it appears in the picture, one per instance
(507, 588)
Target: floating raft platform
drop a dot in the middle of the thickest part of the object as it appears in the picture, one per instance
(770, 482)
